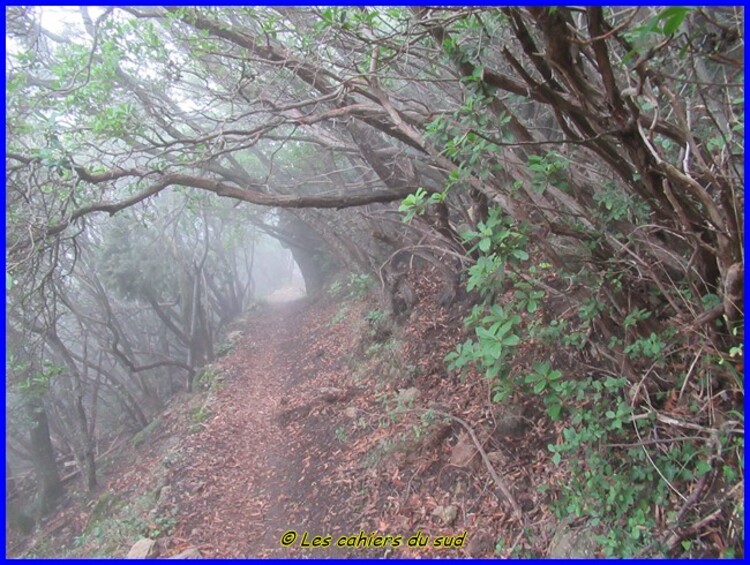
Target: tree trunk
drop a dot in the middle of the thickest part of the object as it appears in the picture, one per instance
(49, 487)
(315, 263)
(86, 445)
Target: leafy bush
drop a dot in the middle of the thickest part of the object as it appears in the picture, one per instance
(224, 348)
(374, 316)
(209, 378)
(416, 204)
(623, 488)
(335, 289)
(200, 415)
(359, 284)
(339, 316)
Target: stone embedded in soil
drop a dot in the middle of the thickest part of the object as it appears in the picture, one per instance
(463, 452)
(142, 549)
(569, 543)
(165, 495)
(446, 514)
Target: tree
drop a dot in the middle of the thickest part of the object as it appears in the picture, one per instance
(608, 141)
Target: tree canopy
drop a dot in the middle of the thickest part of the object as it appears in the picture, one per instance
(606, 142)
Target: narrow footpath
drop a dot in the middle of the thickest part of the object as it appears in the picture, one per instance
(266, 461)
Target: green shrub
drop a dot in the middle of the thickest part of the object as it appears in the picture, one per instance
(612, 479)
(224, 348)
(339, 316)
(359, 285)
(335, 289)
(200, 415)
(374, 316)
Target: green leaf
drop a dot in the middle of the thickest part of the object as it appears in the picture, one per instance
(672, 17)
(511, 340)
(493, 371)
(495, 350)
(554, 411)
(701, 468)
(502, 330)
(484, 334)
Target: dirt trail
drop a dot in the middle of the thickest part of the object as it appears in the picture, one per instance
(308, 429)
(263, 463)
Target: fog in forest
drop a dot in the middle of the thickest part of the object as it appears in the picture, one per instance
(471, 272)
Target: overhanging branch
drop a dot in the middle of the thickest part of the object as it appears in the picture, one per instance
(251, 195)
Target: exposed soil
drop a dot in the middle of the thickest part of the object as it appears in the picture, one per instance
(261, 466)
(310, 436)
(327, 421)
(309, 431)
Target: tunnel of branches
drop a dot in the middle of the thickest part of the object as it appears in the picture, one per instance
(165, 166)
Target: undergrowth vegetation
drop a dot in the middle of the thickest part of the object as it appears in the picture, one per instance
(355, 285)
(124, 522)
(571, 185)
(651, 435)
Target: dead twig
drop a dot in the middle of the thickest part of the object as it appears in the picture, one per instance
(490, 468)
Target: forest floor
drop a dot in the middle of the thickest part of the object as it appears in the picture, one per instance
(258, 468)
(317, 423)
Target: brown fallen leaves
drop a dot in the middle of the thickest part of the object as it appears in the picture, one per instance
(308, 434)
